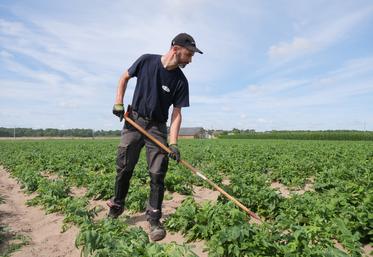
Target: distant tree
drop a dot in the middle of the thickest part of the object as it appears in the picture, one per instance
(236, 131)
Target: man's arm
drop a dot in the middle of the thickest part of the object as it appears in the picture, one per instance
(122, 86)
(175, 125)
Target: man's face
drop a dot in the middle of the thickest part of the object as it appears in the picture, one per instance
(183, 56)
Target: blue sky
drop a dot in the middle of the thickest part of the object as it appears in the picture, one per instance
(266, 65)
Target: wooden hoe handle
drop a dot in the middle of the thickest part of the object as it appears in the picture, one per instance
(194, 170)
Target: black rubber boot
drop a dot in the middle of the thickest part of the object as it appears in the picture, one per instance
(115, 209)
(157, 232)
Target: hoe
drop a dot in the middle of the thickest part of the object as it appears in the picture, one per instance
(193, 169)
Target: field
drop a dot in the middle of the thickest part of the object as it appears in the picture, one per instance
(315, 197)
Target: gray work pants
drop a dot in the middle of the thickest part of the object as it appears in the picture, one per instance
(131, 143)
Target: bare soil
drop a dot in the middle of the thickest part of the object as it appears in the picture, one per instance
(44, 230)
(286, 192)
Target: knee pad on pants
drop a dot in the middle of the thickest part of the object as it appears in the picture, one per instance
(121, 158)
(123, 167)
(157, 178)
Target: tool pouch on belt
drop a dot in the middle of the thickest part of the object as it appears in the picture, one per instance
(135, 117)
(129, 110)
(129, 114)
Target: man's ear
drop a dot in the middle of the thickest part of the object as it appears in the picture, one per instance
(175, 48)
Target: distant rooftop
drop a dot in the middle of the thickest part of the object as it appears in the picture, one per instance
(191, 131)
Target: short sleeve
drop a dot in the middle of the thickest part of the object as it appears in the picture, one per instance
(182, 95)
(136, 66)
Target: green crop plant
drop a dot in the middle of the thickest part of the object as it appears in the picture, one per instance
(337, 208)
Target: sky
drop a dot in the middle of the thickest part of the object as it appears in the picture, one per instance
(267, 65)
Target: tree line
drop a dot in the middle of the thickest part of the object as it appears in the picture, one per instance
(223, 134)
(299, 135)
(51, 132)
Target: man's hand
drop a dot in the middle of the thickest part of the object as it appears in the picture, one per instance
(175, 153)
(118, 110)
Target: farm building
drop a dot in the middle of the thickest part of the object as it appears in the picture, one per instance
(197, 132)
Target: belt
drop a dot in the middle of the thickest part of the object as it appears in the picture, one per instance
(136, 116)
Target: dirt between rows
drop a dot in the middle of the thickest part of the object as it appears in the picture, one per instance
(44, 230)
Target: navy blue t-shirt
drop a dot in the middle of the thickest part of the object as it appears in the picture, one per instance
(157, 88)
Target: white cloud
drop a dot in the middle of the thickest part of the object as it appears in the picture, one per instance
(288, 50)
(21, 70)
(273, 86)
(262, 120)
(319, 37)
(62, 56)
(283, 103)
(5, 54)
(11, 28)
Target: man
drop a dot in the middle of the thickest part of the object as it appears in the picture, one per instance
(160, 84)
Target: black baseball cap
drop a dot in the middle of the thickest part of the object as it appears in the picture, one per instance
(187, 41)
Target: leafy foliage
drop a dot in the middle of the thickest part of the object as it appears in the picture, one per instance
(110, 237)
(339, 208)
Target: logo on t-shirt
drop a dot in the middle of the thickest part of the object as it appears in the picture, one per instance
(165, 88)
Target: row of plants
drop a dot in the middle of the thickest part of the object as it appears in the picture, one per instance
(51, 169)
(228, 233)
(337, 210)
(10, 241)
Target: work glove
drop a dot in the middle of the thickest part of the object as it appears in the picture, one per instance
(175, 153)
(118, 110)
